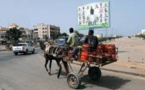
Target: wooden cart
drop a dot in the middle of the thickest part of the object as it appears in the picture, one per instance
(91, 59)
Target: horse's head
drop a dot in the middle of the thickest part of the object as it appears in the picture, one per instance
(43, 45)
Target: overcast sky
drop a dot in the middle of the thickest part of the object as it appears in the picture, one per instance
(127, 16)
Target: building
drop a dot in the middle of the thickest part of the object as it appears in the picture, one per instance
(3, 39)
(13, 25)
(99, 36)
(143, 31)
(26, 33)
(43, 31)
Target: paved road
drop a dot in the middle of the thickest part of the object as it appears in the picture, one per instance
(26, 72)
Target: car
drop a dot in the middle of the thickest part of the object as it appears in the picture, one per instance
(129, 36)
(23, 48)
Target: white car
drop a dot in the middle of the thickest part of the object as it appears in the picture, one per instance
(23, 48)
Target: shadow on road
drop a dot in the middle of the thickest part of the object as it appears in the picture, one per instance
(122, 51)
(22, 54)
(109, 82)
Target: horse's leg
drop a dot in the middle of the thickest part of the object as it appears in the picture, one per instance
(65, 64)
(46, 62)
(50, 67)
(59, 65)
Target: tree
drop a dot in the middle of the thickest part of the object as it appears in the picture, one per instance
(64, 34)
(13, 34)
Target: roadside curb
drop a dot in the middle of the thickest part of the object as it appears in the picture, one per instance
(124, 72)
(117, 71)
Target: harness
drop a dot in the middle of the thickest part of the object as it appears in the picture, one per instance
(55, 51)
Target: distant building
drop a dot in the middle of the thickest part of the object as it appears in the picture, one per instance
(143, 31)
(43, 31)
(3, 39)
(26, 33)
(13, 25)
(99, 36)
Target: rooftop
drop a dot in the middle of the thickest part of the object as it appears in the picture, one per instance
(3, 29)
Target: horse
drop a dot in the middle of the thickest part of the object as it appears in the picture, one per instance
(57, 53)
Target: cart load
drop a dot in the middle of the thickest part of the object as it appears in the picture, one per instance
(103, 55)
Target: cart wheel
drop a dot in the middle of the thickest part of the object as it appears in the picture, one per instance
(73, 80)
(94, 73)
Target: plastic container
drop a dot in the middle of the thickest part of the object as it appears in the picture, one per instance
(100, 48)
(110, 48)
(85, 47)
(114, 57)
(84, 55)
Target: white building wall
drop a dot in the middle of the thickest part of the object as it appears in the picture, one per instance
(48, 31)
(143, 31)
(43, 30)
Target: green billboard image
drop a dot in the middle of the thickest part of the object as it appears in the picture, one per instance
(94, 15)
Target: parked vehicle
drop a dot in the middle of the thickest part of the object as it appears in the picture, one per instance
(23, 48)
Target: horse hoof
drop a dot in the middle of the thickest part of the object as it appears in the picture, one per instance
(58, 77)
(49, 73)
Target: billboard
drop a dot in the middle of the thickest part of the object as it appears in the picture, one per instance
(94, 15)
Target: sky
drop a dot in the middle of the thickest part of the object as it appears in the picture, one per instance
(127, 17)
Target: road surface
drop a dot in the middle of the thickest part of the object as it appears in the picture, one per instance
(26, 72)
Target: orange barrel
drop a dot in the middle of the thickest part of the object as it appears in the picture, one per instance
(106, 46)
(107, 54)
(93, 53)
(111, 48)
(113, 45)
(100, 48)
(92, 57)
(84, 55)
(114, 57)
(70, 53)
(85, 47)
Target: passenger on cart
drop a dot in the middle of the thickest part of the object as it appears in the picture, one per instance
(91, 40)
(90, 44)
(73, 43)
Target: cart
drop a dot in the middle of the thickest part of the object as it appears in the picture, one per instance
(91, 59)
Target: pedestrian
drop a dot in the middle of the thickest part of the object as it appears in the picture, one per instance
(73, 42)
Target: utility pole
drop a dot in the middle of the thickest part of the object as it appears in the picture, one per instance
(112, 32)
(106, 32)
